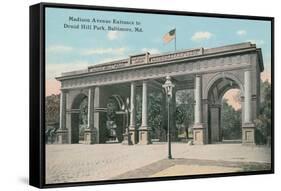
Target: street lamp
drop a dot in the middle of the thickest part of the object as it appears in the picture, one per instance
(168, 86)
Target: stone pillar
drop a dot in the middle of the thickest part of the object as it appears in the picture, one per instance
(198, 100)
(62, 133)
(199, 131)
(144, 130)
(89, 133)
(248, 127)
(132, 126)
(247, 96)
(97, 114)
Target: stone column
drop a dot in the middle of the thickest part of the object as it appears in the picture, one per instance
(198, 99)
(62, 133)
(144, 130)
(248, 127)
(132, 127)
(199, 131)
(144, 104)
(89, 133)
(248, 96)
(97, 114)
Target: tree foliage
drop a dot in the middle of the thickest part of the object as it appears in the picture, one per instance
(184, 110)
(52, 108)
(230, 122)
(263, 121)
(155, 117)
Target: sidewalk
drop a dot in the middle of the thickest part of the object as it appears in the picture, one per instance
(77, 162)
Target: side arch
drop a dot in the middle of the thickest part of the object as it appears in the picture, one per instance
(219, 84)
(75, 113)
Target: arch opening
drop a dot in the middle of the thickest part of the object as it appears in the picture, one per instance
(225, 111)
(79, 118)
(115, 119)
(231, 116)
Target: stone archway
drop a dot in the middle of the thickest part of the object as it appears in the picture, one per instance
(217, 88)
(201, 68)
(79, 110)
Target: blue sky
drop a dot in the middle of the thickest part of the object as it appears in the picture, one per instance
(71, 49)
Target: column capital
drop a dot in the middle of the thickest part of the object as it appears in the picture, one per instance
(247, 69)
(145, 81)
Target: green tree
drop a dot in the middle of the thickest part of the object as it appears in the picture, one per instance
(52, 108)
(263, 121)
(155, 118)
(185, 110)
(230, 122)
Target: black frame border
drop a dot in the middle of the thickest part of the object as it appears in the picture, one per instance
(37, 93)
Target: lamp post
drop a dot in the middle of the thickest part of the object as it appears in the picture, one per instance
(168, 86)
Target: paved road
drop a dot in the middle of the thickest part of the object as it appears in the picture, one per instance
(77, 162)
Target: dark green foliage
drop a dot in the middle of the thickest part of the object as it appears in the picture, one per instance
(231, 122)
(154, 113)
(184, 111)
(263, 121)
(155, 117)
(52, 108)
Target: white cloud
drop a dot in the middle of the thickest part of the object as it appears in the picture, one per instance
(96, 51)
(112, 35)
(56, 69)
(151, 50)
(257, 42)
(241, 32)
(233, 98)
(199, 36)
(59, 49)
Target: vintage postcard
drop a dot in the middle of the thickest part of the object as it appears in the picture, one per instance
(140, 94)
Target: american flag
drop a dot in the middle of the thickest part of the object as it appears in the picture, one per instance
(169, 36)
